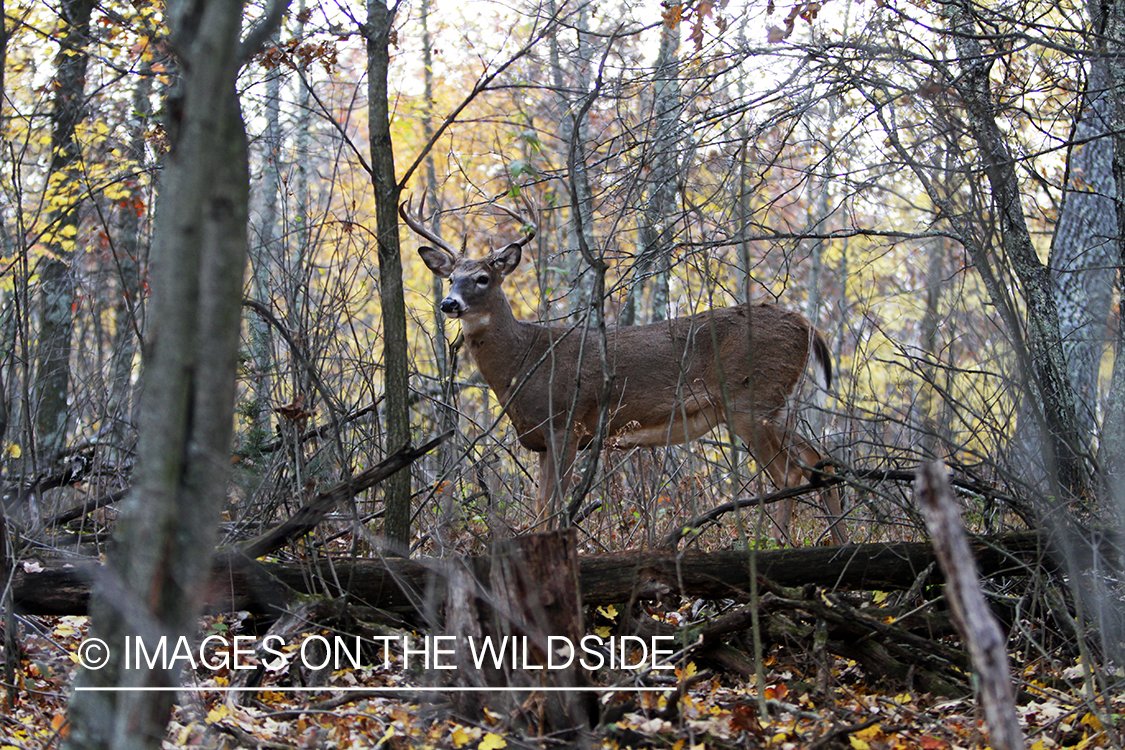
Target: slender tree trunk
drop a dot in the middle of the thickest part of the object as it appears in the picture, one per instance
(127, 306)
(658, 228)
(396, 380)
(155, 578)
(56, 283)
(580, 217)
(933, 414)
(1049, 387)
(446, 412)
(263, 255)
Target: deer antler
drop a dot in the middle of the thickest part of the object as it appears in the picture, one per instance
(415, 223)
(523, 221)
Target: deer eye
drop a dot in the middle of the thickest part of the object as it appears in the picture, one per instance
(482, 279)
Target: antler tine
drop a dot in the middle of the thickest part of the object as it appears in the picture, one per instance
(416, 225)
(522, 220)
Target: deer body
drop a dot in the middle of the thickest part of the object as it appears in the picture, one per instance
(674, 381)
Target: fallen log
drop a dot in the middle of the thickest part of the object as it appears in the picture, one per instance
(395, 585)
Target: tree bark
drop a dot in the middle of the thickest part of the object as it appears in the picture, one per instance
(1093, 592)
(664, 150)
(529, 591)
(154, 582)
(978, 627)
(56, 283)
(396, 379)
(127, 307)
(1048, 385)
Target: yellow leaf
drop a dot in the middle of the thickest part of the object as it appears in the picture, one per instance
(1091, 721)
(492, 741)
(610, 612)
(218, 713)
(68, 231)
(869, 733)
(116, 192)
(603, 631)
(880, 597)
(14, 451)
(857, 743)
(462, 737)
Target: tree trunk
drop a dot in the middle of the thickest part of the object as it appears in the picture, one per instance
(1048, 386)
(56, 284)
(263, 262)
(446, 410)
(658, 229)
(529, 592)
(979, 629)
(1083, 249)
(154, 582)
(127, 307)
(396, 379)
(1092, 592)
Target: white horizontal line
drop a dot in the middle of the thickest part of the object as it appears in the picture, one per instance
(443, 689)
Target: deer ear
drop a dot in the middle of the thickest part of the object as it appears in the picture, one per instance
(437, 260)
(506, 259)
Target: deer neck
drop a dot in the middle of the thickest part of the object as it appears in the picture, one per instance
(495, 338)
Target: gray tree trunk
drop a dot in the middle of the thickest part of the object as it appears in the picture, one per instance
(1084, 247)
(396, 379)
(154, 581)
(56, 283)
(263, 262)
(581, 215)
(1082, 263)
(127, 307)
(1097, 600)
(446, 412)
(1049, 388)
(658, 229)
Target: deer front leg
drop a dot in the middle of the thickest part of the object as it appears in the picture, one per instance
(555, 474)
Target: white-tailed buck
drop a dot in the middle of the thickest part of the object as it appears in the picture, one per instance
(674, 381)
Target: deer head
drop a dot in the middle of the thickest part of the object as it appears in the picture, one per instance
(475, 285)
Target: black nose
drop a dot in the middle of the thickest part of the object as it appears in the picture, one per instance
(450, 306)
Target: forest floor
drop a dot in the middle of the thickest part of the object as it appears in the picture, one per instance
(360, 708)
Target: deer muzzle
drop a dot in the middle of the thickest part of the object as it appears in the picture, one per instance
(452, 307)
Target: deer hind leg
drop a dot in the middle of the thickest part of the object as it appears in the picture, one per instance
(830, 496)
(785, 456)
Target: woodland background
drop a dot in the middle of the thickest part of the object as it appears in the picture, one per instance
(938, 186)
